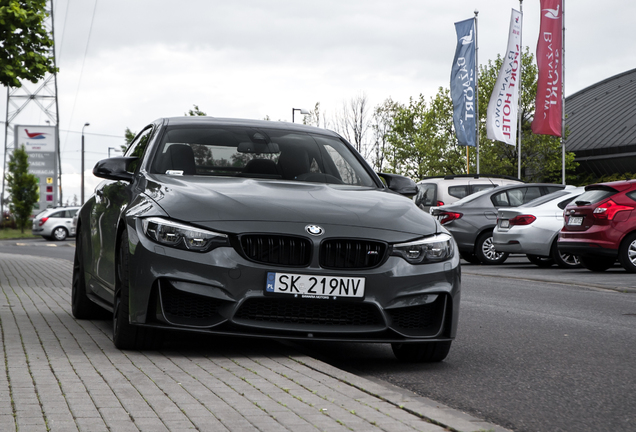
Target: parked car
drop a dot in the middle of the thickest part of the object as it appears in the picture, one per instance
(471, 220)
(533, 229)
(600, 226)
(55, 223)
(444, 190)
(265, 229)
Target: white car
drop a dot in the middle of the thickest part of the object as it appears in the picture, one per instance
(55, 223)
(534, 228)
(444, 190)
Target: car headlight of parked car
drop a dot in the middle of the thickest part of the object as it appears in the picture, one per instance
(426, 250)
(177, 235)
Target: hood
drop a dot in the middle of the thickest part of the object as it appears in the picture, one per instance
(217, 199)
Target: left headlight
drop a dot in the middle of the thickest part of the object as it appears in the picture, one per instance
(182, 236)
(429, 249)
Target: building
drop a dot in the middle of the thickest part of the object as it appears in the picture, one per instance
(601, 120)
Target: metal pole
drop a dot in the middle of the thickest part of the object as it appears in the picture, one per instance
(4, 163)
(520, 88)
(563, 93)
(477, 90)
(82, 191)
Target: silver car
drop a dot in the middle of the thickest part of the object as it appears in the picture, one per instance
(533, 229)
(55, 223)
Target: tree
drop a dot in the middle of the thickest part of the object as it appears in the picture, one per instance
(353, 123)
(22, 187)
(382, 123)
(195, 112)
(423, 139)
(25, 44)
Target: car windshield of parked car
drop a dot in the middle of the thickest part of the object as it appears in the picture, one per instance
(258, 153)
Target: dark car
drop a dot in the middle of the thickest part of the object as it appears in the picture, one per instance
(472, 220)
(600, 226)
(263, 229)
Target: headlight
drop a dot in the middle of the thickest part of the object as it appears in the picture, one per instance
(430, 249)
(181, 236)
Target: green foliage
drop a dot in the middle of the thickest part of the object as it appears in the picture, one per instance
(129, 136)
(422, 138)
(540, 154)
(22, 187)
(26, 47)
(195, 112)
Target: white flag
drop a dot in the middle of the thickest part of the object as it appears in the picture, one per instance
(501, 121)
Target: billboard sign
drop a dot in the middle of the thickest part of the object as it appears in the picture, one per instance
(40, 143)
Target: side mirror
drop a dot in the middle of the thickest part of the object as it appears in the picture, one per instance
(114, 168)
(400, 184)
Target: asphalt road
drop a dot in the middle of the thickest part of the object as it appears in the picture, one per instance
(537, 349)
(529, 356)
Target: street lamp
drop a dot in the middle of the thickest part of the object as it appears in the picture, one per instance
(82, 192)
(111, 148)
(302, 111)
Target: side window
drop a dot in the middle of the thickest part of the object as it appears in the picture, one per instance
(632, 195)
(58, 215)
(480, 187)
(532, 193)
(458, 191)
(500, 200)
(563, 204)
(425, 194)
(137, 148)
(515, 196)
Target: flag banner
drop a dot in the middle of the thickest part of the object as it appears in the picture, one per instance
(548, 106)
(501, 117)
(462, 83)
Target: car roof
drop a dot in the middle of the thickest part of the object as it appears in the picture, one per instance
(261, 124)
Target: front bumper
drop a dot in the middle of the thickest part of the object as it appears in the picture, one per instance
(221, 292)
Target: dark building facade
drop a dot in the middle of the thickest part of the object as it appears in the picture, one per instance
(601, 120)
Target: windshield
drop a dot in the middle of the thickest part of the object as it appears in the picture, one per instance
(258, 153)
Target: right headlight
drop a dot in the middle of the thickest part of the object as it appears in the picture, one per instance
(436, 248)
(180, 236)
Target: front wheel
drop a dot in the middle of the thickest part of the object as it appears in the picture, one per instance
(81, 306)
(127, 336)
(485, 250)
(421, 352)
(596, 263)
(627, 253)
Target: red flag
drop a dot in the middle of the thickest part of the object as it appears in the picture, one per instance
(548, 107)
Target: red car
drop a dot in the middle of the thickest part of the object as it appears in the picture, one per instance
(600, 226)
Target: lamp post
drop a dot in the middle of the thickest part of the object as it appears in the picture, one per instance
(109, 149)
(82, 191)
(302, 111)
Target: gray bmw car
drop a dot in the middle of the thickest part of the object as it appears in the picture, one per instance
(262, 229)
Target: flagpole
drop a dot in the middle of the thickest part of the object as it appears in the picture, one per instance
(520, 84)
(563, 92)
(477, 90)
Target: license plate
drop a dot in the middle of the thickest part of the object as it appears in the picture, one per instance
(311, 286)
(575, 220)
(505, 223)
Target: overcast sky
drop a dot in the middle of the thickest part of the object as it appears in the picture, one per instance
(125, 63)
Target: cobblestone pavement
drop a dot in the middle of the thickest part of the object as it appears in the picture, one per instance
(66, 375)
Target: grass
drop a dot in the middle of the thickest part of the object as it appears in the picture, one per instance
(10, 233)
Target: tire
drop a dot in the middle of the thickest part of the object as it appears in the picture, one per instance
(564, 260)
(485, 250)
(127, 336)
(421, 352)
(596, 263)
(627, 253)
(469, 257)
(59, 234)
(81, 306)
(543, 262)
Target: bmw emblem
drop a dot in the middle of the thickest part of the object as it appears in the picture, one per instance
(314, 230)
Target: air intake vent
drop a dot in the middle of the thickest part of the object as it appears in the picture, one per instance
(351, 254)
(315, 313)
(277, 250)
